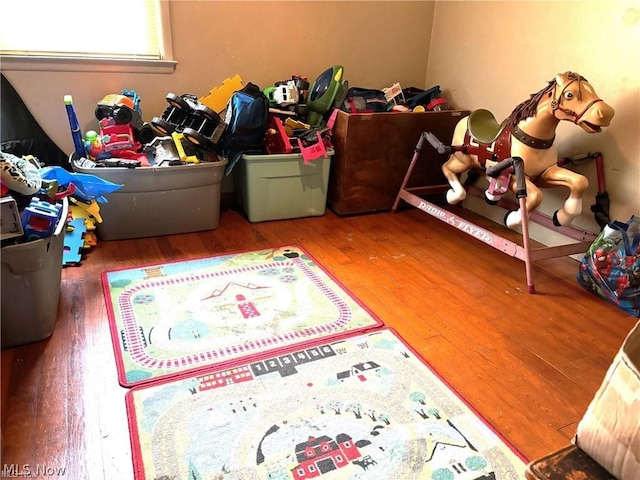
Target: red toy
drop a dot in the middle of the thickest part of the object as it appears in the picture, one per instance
(121, 130)
(276, 139)
(114, 141)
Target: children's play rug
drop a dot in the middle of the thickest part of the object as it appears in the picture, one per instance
(361, 407)
(170, 318)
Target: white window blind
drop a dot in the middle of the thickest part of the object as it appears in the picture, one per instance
(77, 30)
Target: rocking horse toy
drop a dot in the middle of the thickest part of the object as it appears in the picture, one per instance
(517, 155)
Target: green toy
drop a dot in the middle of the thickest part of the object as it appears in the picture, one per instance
(327, 88)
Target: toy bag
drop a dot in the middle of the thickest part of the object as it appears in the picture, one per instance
(361, 100)
(247, 119)
(611, 267)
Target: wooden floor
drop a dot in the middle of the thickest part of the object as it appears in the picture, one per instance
(529, 364)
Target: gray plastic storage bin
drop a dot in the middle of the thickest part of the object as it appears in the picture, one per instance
(157, 201)
(277, 187)
(30, 285)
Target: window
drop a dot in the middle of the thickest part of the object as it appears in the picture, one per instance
(86, 35)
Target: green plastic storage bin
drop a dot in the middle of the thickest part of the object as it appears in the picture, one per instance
(278, 187)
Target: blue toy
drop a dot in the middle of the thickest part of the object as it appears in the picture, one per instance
(74, 242)
(39, 219)
(88, 187)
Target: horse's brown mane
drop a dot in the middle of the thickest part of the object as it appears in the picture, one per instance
(528, 108)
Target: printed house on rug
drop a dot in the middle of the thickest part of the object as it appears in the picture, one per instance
(325, 309)
(358, 371)
(318, 456)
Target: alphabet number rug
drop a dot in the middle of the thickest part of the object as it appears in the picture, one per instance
(170, 318)
(361, 407)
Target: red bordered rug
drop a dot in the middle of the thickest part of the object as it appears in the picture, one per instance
(175, 317)
(365, 406)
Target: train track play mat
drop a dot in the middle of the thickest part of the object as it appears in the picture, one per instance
(180, 316)
(364, 406)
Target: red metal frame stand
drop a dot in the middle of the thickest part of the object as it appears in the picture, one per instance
(522, 252)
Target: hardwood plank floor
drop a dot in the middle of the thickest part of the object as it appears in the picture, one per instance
(529, 364)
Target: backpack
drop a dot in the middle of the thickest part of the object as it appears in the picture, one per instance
(247, 118)
(360, 100)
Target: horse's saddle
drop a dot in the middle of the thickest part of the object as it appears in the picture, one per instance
(484, 127)
(487, 138)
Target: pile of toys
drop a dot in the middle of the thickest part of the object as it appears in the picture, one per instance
(32, 204)
(611, 266)
(188, 132)
(412, 99)
(301, 117)
(288, 117)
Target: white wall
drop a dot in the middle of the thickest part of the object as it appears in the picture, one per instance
(483, 54)
(495, 54)
(263, 41)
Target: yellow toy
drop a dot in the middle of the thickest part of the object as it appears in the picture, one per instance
(77, 211)
(92, 209)
(291, 124)
(219, 96)
(85, 212)
(177, 140)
